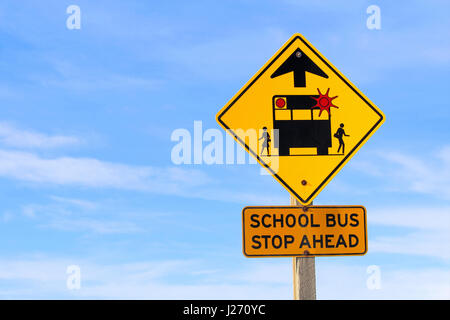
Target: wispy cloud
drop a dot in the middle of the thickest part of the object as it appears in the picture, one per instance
(341, 281)
(425, 244)
(109, 82)
(98, 226)
(230, 56)
(46, 277)
(90, 78)
(11, 136)
(94, 173)
(43, 277)
(91, 172)
(87, 172)
(75, 202)
(432, 218)
(82, 217)
(31, 167)
(427, 174)
(423, 231)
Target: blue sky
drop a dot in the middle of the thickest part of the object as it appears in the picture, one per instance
(86, 175)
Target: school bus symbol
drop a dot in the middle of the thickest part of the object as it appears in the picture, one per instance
(300, 125)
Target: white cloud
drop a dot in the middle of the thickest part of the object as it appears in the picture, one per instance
(340, 281)
(94, 173)
(91, 172)
(426, 231)
(229, 56)
(75, 202)
(92, 225)
(410, 173)
(85, 82)
(329, 5)
(41, 277)
(6, 91)
(13, 137)
(7, 216)
(430, 218)
(87, 78)
(76, 215)
(378, 53)
(414, 243)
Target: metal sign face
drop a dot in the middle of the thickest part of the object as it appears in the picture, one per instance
(300, 118)
(304, 231)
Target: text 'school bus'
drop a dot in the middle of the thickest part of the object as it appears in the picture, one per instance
(299, 126)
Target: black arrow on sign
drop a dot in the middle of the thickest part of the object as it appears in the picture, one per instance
(299, 63)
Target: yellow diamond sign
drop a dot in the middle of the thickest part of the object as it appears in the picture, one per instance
(300, 118)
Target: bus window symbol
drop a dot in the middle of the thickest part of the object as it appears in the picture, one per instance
(300, 125)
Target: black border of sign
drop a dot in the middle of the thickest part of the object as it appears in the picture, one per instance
(313, 194)
(304, 255)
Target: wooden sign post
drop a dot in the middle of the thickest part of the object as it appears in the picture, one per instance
(304, 273)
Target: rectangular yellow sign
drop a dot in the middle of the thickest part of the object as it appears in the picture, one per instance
(289, 231)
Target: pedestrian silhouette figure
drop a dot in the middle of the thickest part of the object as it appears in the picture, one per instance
(340, 133)
(266, 141)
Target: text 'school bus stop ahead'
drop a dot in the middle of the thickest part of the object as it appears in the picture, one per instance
(299, 126)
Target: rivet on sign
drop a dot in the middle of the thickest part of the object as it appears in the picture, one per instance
(306, 252)
(298, 54)
(305, 208)
(304, 182)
